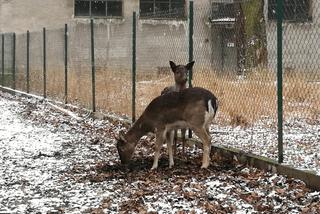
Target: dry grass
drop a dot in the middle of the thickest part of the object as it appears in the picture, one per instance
(241, 101)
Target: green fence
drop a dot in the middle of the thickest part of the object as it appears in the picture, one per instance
(264, 70)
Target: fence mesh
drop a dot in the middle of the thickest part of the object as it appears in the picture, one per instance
(235, 53)
(8, 59)
(301, 86)
(113, 60)
(21, 62)
(55, 63)
(236, 71)
(163, 40)
(36, 63)
(79, 63)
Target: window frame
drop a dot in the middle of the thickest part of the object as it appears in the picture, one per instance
(163, 15)
(95, 16)
(304, 16)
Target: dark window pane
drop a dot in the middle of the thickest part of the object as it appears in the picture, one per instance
(146, 9)
(177, 9)
(177, 6)
(227, 11)
(294, 10)
(82, 8)
(289, 10)
(302, 9)
(162, 10)
(272, 9)
(177, 1)
(98, 8)
(162, 7)
(114, 8)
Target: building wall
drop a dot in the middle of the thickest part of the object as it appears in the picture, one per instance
(158, 41)
(19, 16)
(300, 42)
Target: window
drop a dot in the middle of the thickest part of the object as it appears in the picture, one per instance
(162, 8)
(102, 8)
(221, 10)
(294, 10)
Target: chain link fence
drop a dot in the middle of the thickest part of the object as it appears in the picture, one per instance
(301, 84)
(7, 59)
(234, 45)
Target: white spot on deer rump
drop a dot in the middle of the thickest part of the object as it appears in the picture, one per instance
(210, 113)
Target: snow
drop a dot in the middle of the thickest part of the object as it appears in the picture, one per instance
(52, 163)
(226, 19)
(301, 141)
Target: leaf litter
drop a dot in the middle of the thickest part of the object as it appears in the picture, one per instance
(51, 163)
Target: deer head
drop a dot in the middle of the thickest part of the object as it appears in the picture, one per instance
(181, 72)
(124, 148)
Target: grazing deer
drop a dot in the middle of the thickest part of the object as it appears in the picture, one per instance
(180, 73)
(192, 108)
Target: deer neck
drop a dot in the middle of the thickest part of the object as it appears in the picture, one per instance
(181, 86)
(136, 132)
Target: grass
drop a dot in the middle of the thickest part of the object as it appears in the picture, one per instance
(242, 101)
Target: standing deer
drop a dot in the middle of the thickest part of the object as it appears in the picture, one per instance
(192, 108)
(180, 73)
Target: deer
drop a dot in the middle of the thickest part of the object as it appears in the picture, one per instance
(180, 73)
(193, 108)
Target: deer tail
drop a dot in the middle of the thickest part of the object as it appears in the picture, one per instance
(212, 107)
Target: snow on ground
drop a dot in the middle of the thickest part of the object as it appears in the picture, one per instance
(301, 141)
(50, 163)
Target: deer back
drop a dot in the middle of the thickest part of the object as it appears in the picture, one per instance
(189, 104)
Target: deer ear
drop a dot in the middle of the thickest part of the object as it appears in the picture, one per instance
(120, 136)
(173, 66)
(190, 65)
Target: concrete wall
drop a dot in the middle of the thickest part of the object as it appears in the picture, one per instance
(158, 41)
(19, 16)
(301, 42)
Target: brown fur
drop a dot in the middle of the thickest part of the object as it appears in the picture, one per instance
(189, 106)
(180, 73)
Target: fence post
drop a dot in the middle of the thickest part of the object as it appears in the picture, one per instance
(279, 79)
(134, 40)
(14, 61)
(28, 61)
(44, 65)
(93, 69)
(65, 63)
(190, 49)
(2, 60)
(190, 40)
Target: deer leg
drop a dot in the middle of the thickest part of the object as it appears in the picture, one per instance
(183, 138)
(175, 138)
(169, 139)
(159, 142)
(206, 141)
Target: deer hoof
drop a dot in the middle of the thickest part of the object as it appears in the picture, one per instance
(204, 166)
(153, 168)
